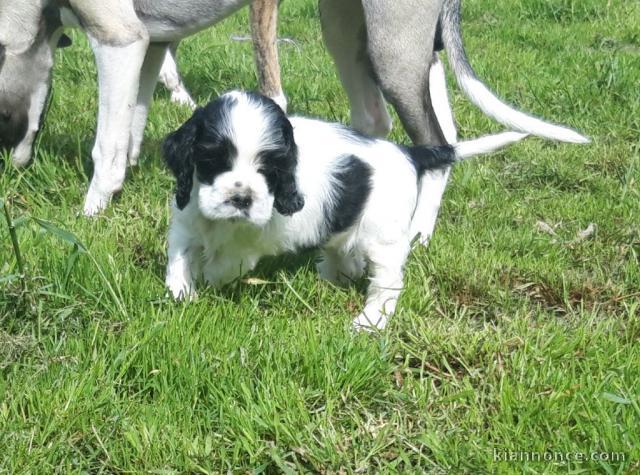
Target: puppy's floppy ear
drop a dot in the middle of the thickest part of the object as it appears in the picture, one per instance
(177, 150)
(287, 199)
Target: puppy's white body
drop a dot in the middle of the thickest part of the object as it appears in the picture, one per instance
(377, 237)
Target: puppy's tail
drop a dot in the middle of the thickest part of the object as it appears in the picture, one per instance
(481, 96)
(428, 158)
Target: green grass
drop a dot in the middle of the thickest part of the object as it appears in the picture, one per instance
(507, 337)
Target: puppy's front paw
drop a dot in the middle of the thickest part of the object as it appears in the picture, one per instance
(181, 290)
(370, 321)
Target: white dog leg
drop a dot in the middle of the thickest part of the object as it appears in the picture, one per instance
(386, 273)
(148, 79)
(171, 79)
(118, 77)
(339, 268)
(342, 27)
(432, 185)
(182, 264)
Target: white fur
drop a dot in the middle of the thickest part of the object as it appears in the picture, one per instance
(204, 243)
(433, 184)
(148, 79)
(119, 70)
(488, 103)
(170, 77)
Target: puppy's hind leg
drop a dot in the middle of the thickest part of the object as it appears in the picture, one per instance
(386, 264)
(340, 268)
(433, 184)
(119, 65)
(148, 79)
(344, 32)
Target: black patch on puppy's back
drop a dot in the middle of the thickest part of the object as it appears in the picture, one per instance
(352, 187)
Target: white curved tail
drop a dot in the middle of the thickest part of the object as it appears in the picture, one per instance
(482, 97)
(486, 144)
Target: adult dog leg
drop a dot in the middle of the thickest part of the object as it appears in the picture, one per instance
(148, 78)
(344, 32)
(263, 15)
(405, 79)
(118, 77)
(433, 184)
(170, 77)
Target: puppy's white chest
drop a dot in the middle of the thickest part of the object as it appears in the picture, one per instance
(229, 250)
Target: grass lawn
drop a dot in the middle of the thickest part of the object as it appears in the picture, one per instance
(515, 333)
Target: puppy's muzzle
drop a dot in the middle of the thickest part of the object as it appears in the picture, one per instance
(241, 200)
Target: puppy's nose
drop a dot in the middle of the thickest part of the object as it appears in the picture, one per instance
(241, 201)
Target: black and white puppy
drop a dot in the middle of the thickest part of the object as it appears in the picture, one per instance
(252, 182)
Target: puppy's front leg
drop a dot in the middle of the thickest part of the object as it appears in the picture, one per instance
(118, 77)
(182, 264)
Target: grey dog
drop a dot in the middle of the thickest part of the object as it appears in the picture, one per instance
(383, 50)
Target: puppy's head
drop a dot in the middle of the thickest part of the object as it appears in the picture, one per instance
(241, 151)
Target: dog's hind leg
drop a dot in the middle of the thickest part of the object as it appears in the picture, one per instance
(400, 49)
(344, 32)
(170, 77)
(119, 46)
(415, 87)
(386, 262)
(433, 184)
(148, 79)
(340, 268)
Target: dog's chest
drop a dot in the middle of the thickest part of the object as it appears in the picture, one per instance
(229, 250)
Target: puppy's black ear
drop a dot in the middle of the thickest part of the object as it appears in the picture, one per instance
(177, 150)
(287, 199)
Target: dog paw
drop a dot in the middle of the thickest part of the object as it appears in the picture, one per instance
(21, 156)
(182, 97)
(370, 321)
(182, 292)
(95, 202)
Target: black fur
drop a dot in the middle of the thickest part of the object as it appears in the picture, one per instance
(214, 150)
(352, 189)
(438, 44)
(428, 158)
(177, 150)
(279, 165)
